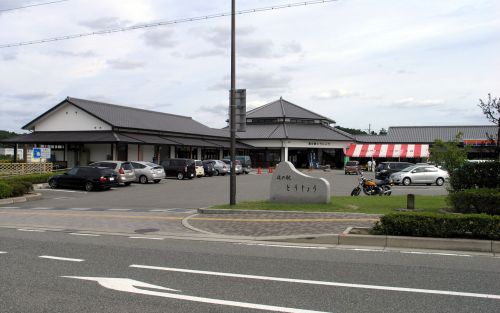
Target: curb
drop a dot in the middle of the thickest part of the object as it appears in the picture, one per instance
(399, 242)
(27, 197)
(40, 186)
(233, 211)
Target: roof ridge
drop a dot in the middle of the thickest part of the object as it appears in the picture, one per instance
(127, 107)
(443, 126)
(261, 107)
(298, 106)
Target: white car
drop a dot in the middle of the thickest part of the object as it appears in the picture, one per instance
(200, 171)
(420, 174)
(147, 171)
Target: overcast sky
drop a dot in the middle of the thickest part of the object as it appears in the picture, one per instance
(359, 62)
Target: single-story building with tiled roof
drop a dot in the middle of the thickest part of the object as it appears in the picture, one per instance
(411, 143)
(80, 131)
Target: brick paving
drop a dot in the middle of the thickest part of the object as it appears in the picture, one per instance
(279, 224)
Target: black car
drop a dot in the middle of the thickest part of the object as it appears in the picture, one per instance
(86, 177)
(208, 167)
(385, 169)
(180, 168)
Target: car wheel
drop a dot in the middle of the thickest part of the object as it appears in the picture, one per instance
(53, 183)
(440, 181)
(180, 176)
(128, 183)
(406, 181)
(89, 186)
(216, 173)
(156, 181)
(143, 179)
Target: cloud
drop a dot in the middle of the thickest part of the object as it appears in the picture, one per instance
(334, 94)
(264, 84)
(160, 38)
(124, 64)
(8, 56)
(83, 54)
(29, 96)
(207, 53)
(217, 109)
(415, 103)
(105, 23)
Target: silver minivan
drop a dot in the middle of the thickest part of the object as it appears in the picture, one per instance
(124, 170)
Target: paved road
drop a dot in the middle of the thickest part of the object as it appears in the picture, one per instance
(196, 193)
(59, 272)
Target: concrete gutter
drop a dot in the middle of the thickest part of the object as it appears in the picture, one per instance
(25, 198)
(399, 242)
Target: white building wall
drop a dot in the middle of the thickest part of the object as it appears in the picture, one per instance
(98, 152)
(148, 152)
(132, 152)
(70, 118)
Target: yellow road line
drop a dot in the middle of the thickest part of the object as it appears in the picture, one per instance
(171, 218)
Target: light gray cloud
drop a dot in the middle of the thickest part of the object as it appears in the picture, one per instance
(264, 84)
(8, 55)
(105, 23)
(29, 96)
(217, 109)
(334, 94)
(83, 54)
(416, 103)
(160, 38)
(207, 53)
(124, 64)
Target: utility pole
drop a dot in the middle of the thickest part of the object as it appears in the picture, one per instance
(232, 109)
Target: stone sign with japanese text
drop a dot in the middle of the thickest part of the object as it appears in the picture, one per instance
(291, 186)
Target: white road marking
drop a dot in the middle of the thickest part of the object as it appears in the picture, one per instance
(435, 253)
(32, 230)
(323, 283)
(151, 238)
(83, 234)
(60, 259)
(119, 209)
(3, 252)
(366, 250)
(62, 190)
(160, 210)
(79, 209)
(40, 208)
(9, 207)
(129, 285)
(281, 246)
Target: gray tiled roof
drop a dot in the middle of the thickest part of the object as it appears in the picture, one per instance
(133, 118)
(294, 131)
(284, 109)
(428, 134)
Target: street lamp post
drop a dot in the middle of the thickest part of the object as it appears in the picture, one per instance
(232, 109)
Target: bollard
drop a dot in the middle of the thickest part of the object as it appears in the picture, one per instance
(270, 170)
(410, 201)
(259, 171)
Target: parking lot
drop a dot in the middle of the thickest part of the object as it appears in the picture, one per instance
(198, 192)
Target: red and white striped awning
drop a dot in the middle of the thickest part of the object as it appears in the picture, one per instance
(391, 150)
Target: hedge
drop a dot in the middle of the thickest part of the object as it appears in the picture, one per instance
(482, 200)
(5, 190)
(476, 175)
(32, 178)
(479, 226)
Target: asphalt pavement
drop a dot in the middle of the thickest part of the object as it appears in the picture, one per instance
(66, 272)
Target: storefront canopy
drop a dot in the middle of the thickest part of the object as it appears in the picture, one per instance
(389, 150)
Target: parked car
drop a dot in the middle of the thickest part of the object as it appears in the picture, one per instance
(385, 169)
(86, 177)
(238, 169)
(352, 167)
(147, 171)
(180, 168)
(200, 171)
(420, 174)
(208, 167)
(123, 169)
(246, 162)
(220, 167)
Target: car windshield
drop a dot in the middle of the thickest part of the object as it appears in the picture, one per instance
(198, 163)
(352, 163)
(151, 164)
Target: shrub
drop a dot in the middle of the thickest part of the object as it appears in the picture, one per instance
(20, 188)
(480, 226)
(482, 200)
(476, 175)
(5, 190)
(32, 178)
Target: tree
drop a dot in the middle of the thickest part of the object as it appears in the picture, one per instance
(492, 111)
(382, 131)
(352, 131)
(449, 154)
(5, 135)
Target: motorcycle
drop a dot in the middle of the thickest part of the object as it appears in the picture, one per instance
(372, 187)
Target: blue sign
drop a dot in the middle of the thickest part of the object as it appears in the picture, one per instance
(37, 153)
